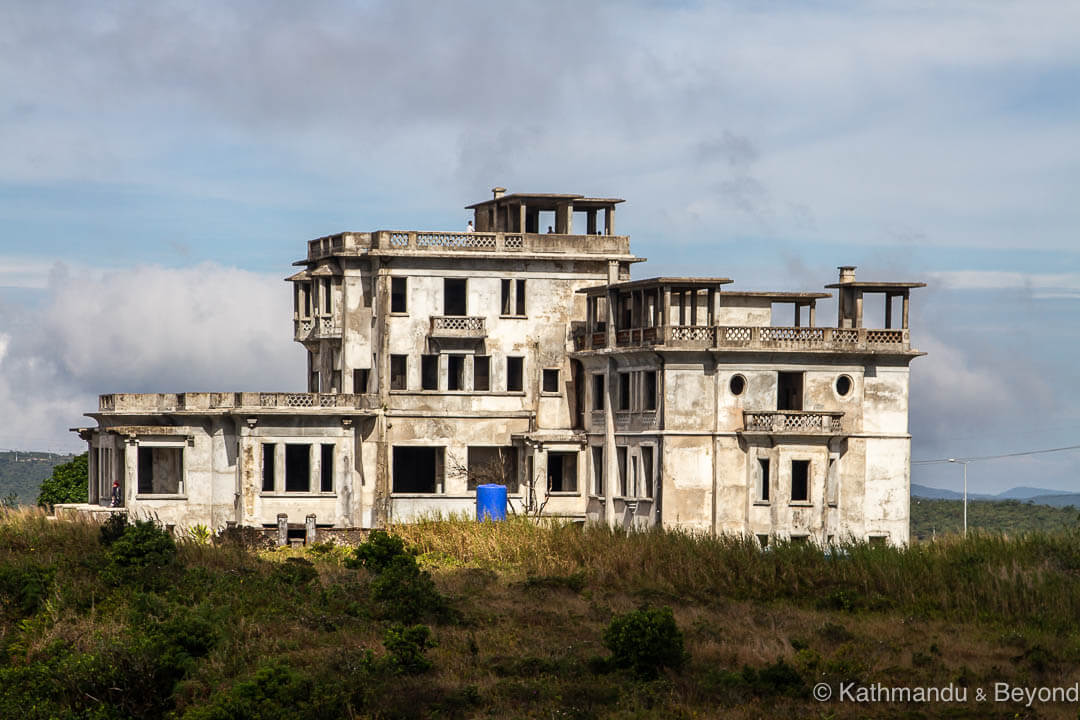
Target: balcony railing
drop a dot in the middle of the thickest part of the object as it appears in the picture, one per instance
(793, 421)
(240, 401)
(458, 326)
(316, 328)
(729, 337)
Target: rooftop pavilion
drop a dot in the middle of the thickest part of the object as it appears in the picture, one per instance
(520, 212)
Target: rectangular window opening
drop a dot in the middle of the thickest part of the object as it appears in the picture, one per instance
(360, 380)
(399, 372)
(624, 391)
(763, 479)
(598, 470)
(789, 391)
(650, 390)
(506, 305)
(562, 472)
(297, 468)
(161, 470)
(455, 372)
(455, 294)
(800, 480)
(647, 470)
(398, 295)
(620, 457)
(493, 466)
(598, 392)
(326, 468)
(519, 301)
(514, 374)
(417, 469)
(551, 380)
(481, 372)
(269, 455)
(429, 372)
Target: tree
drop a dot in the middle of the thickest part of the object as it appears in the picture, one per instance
(68, 484)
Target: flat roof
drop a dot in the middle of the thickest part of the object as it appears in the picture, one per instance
(699, 282)
(877, 286)
(548, 200)
(777, 296)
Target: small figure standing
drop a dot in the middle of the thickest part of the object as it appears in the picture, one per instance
(551, 229)
(114, 500)
(469, 227)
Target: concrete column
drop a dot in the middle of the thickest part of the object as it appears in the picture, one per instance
(611, 465)
(888, 310)
(613, 298)
(798, 314)
(279, 467)
(282, 530)
(666, 319)
(590, 223)
(590, 317)
(314, 467)
(609, 220)
(813, 306)
(906, 296)
(309, 529)
(521, 218)
(858, 309)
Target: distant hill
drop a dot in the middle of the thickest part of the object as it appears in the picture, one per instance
(21, 472)
(1038, 496)
(934, 518)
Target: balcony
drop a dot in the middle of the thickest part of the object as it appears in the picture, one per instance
(721, 337)
(794, 422)
(412, 241)
(318, 328)
(146, 403)
(458, 326)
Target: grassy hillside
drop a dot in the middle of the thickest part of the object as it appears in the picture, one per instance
(113, 626)
(938, 517)
(21, 473)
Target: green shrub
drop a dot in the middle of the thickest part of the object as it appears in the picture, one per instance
(24, 588)
(405, 592)
(377, 552)
(645, 641)
(295, 572)
(274, 692)
(69, 483)
(405, 648)
(139, 553)
(113, 528)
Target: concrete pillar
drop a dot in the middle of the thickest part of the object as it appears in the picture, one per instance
(282, 530)
(813, 306)
(521, 217)
(798, 314)
(906, 296)
(666, 319)
(858, 309)
(309, 529)
(590, 223)
(611, 466)
(609, 220)
(613, 304)
(888, 310)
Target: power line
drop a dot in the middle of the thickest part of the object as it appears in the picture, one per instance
(996, 457)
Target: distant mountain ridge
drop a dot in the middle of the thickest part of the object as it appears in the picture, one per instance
(21, 472)
(1037, 496)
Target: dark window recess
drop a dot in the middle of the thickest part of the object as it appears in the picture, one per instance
(514, 366)
(598, 470)
(551, 381)
(789, 391)
(313, 384)
(647, 470)
(493, 465)
(597, 392)
(455, 372)
(620, 458)
(481, 370)
(360, 380)
(843, 385)
(326, 296)
(800, 480)
(650, 391)
(624, 391)
(429, 372)
(519, 304)
(562, 472)
(335, 382)
(763, 479)
(399, 372)
(160, 470)
(763, 540)
(415, 469)
(297, 468)
(454, 296)
(398, 297)
(737, 385)
(505, 305)
(307, 299)
(326, 469)
(268, 456)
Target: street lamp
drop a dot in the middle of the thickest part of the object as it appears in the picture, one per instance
(965, 464)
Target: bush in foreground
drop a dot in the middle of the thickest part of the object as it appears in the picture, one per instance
(645, 641)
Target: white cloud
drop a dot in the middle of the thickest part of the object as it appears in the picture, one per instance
(140, 329)
(1040, 285)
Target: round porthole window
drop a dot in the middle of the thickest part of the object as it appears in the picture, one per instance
(843, 385)
(737, 384)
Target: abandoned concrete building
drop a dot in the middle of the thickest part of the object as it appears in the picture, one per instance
(440, 360)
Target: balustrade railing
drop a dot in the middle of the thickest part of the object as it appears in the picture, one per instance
(458, 326)
(793, 421)
(316, 327)
(755, 337)
(239, 401)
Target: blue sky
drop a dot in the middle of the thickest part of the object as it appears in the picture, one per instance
(162, 164)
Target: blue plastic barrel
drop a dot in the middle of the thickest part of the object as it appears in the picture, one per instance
(490, 502)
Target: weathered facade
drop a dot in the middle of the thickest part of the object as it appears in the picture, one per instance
(439, 360)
